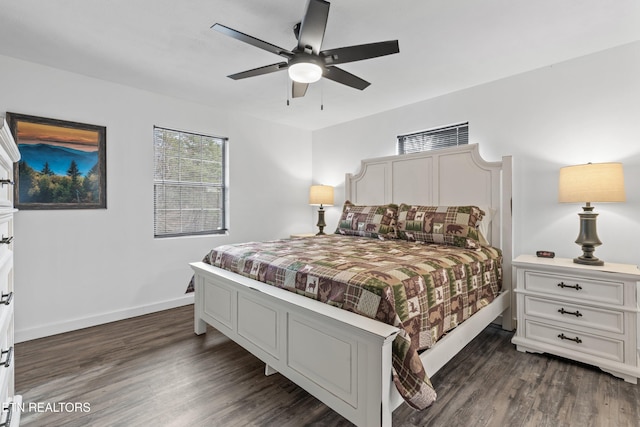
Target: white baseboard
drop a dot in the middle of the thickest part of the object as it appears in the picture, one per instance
(21, 335)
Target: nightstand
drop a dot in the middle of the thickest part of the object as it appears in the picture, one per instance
(580, 312)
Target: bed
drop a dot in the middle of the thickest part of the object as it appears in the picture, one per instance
(343, 358)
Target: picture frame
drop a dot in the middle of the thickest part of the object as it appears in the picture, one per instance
(62, 165)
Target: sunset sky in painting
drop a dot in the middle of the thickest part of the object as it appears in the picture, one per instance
(78, 139)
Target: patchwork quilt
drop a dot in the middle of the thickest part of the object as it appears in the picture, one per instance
(423, 289)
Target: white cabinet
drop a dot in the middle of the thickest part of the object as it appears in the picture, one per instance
(585, 313)
(9, 154)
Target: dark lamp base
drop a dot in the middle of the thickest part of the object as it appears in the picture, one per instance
(588, 237)
(588, 261)
(321, 224)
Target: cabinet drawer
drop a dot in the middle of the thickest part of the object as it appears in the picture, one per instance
(4, 398)
(6, 190)
(11, 408)
(6, 174)
(6, 320)
(6, 232)
(575, 287)
(575, 314)
(606, 348)
(6, 366)
(6, 272)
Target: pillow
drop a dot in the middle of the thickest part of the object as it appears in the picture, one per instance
(483, 226)
(447, 225)
(368, 221)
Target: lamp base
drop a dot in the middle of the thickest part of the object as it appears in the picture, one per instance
(588, 237)
(588, 261)
(321, 224)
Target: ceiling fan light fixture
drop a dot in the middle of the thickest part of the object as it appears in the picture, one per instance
(305, 72)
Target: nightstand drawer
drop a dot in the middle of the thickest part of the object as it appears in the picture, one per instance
(575, 314)
(575, 287)
(582, 342)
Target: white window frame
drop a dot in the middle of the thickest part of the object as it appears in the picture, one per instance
(190, 183)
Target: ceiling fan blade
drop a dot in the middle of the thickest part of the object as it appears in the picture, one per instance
(313, 26)
(252, 41)
(358, 53)
(298, 90)
(341, 76)
(259, 71)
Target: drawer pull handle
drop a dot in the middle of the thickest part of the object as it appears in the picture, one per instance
(6, 240)
(6, 298)
(576, 286)
(575, 313)
(9, 354)
(3, 182)
(7, 420)
(575, 340)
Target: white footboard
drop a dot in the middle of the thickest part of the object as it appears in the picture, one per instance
(341, 358)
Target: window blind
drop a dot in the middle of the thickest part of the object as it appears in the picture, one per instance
(189, 183)
(434, 139)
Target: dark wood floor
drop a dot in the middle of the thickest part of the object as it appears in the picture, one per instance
(153, 371)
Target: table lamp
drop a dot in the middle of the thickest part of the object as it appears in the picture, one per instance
(593, 182)
(321, 195)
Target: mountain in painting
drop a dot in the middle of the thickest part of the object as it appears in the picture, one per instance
(59, 158)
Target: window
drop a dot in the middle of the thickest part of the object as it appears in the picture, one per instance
(433, 139)
(189, 183)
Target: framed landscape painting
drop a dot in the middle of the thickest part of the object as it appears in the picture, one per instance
(62, 164)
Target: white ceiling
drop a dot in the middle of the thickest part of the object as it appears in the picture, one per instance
(167, 46)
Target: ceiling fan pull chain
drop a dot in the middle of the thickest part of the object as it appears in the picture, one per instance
(286, 88)
(321, 95)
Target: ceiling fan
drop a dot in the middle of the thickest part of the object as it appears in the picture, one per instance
(306, 63)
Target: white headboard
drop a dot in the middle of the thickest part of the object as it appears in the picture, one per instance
(447, 177)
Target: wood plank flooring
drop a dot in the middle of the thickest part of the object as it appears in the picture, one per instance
(153, 371)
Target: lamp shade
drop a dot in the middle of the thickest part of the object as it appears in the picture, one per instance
(321, 195)
(593, 182)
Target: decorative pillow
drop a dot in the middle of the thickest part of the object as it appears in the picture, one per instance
(447, 225)
(368, 221)
(483, 225)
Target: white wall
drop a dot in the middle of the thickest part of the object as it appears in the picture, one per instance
(579, 111)
(78, 268)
